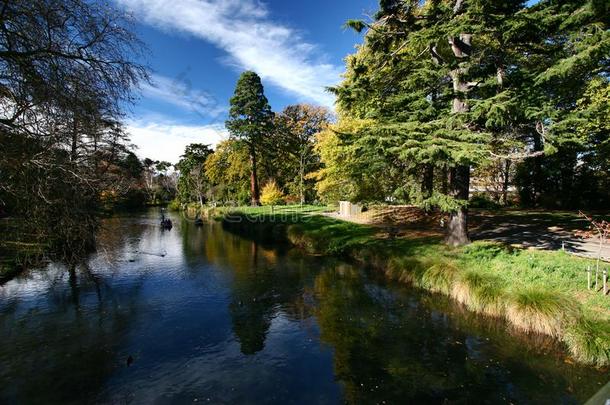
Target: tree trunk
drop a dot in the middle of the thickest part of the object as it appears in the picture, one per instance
(444, 180)
(427, 186)
(459, 177)
(254, 192)
(506, 182)
(74, 145)
(459, 182)
(536, 179)
(302, 174)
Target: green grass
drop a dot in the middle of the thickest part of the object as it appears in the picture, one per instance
(281, 209)
(535, 291)
(219, 212)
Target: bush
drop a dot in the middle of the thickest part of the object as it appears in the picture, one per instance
(174, 205)
(272, 195)
(483, 202)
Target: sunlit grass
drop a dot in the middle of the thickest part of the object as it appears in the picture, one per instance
(278, 209)
(542, 311)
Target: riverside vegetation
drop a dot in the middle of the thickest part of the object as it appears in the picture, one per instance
(506, 99)
(534, 291)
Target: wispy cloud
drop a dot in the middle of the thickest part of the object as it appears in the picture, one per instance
(244, 29)
(180, 92)
(166, 140)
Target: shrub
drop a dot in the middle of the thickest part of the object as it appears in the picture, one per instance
(272, 195)
(483, 202)
(174, 205)
(438, 277)
(480, 292)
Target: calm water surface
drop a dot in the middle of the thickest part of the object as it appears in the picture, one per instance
(201, 315)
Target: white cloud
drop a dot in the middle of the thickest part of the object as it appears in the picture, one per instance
(243, 29)
(167, 140)
(180, 92)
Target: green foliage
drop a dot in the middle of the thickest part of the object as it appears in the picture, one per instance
(174, 205)
(250, 116)
(250, 120)
(228, 170)
(193, 181)
(512, 80)
(356, 25)
(351, 171)
(289, 152)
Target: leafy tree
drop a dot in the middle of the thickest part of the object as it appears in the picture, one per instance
(272, 194)
(193, 181)
(149, 178)
(572, 65)
(228, 169)
(250, 120)
(350, 173)
(295, 131)
(68, 68)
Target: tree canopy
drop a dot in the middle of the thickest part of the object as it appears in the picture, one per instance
(452, 85)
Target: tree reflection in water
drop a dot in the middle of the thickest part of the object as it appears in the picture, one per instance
(394, 345)
(263, 280)
(234, 320)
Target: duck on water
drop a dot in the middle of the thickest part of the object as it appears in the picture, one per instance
(166, 223)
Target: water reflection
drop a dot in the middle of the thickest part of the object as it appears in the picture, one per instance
(209, 316)
(397, 346)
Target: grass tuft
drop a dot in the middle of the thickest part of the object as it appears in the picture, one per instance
(537, 310)
(589, 342)
(480, 292)
(483, 250)
(438, 277)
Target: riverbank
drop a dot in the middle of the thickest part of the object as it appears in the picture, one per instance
(534, 291)
(18, 249)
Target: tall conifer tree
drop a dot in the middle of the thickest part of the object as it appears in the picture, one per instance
(250, 120)
(448, 84)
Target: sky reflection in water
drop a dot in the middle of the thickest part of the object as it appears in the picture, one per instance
(209, 316)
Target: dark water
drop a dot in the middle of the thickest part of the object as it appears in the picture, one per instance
(201, 315)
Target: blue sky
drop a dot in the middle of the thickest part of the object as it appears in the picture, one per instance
(198, 48)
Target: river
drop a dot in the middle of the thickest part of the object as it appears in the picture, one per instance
(197, 314)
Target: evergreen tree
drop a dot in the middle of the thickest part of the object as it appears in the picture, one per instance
(428, 86)
(250, 120)
(570, 70)
(449, 85)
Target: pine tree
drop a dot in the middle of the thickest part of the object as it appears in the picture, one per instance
(250, 120)
(568, 65)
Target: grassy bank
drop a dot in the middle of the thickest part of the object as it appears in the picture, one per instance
(535, 291)
(194, 209)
